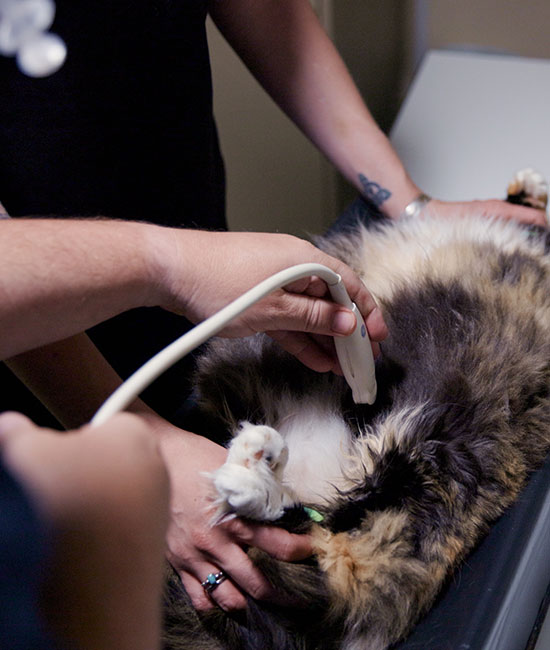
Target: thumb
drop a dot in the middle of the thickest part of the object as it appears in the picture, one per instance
(12, 423)
(303, 313)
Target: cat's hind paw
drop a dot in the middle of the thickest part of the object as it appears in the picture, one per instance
(249, 483)
(528, 187)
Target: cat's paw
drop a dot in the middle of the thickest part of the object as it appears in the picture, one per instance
(249, 483)
(528, 187)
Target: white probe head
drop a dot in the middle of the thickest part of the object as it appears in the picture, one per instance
(355, 351)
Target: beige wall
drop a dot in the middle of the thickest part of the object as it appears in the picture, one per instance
(509, 26)
(276, 179)
(374, 39)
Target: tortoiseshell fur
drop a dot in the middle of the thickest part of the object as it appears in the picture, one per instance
(461, 419)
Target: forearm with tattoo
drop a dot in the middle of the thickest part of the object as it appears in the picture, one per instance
(374, 191)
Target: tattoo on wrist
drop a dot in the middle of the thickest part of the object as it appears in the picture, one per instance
(373, 191)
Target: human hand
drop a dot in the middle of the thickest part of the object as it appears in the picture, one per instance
(196, 548)
(219, 267)
(57, 468)
(487, 208)
(103, 494)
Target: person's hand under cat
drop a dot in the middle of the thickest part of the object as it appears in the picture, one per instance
(196, 547)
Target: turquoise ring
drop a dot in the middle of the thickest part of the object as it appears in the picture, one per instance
(212, 581)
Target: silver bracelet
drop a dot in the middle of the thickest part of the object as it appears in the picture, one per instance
(415, 207)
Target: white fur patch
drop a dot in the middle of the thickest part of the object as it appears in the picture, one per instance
(306, 460)
(319, 444)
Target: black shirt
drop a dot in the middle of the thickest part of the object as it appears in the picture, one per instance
(124, 129)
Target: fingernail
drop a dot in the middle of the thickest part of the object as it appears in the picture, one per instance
(343, 322)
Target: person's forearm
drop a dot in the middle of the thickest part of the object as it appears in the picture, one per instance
(70, 377)
(60, 277)
(285, 47)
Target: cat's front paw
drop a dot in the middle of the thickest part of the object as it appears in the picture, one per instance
(249, 483)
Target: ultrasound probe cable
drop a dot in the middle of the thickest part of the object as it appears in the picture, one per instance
(354, 351)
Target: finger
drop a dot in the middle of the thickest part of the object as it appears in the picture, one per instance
(247, 576)
(303, 313)
(200, 599)
(312, 286)
(505, 210)
(376, 325)
(12, 424)
(317, 288)
(525, 215)
(225, 595)
(491, 208)
(277, 542)
(306, 350)
(357, 291)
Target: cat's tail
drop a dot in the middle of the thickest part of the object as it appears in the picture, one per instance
(379, 587)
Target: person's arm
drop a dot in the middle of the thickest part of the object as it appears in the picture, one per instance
(286, 48)
(71, 378)
(195, 273)
(60, 277)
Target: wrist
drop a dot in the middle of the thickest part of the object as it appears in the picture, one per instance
(397, 193)
(415, 207)
(159, 246)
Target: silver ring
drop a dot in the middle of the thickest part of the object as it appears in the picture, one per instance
(212, 581)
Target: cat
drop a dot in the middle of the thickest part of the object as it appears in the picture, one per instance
(398, 493)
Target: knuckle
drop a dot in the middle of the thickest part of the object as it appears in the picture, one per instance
(201, 540)
(285, 550)
(312, 314)
(178, 555)
(232, 603)
(202, 603)
(259, 590)
(238, 528)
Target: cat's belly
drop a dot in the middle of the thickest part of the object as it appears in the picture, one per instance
(320, 460)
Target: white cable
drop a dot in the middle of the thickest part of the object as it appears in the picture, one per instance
(153, 368)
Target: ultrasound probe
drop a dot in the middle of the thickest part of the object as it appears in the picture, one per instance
(354, 351)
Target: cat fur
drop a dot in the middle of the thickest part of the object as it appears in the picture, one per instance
(408, 486)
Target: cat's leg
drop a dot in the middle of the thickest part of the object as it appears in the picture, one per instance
(250, 482)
